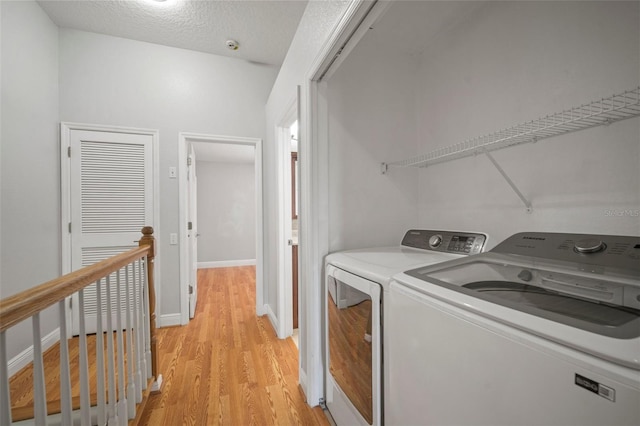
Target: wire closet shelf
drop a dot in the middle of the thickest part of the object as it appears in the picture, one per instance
(602, 112)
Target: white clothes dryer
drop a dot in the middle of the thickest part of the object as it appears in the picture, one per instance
(542, 330)
(357, 284)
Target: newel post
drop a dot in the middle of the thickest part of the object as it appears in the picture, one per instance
(149, 240)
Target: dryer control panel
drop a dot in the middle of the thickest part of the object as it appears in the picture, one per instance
(463, 243)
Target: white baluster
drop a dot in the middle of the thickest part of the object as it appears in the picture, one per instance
(111, 370)
(85, 398)
(137, 323)
(131, 388)
(100, 388)
(5, 395)
(122, 398)
(147, 318)
(65, 374)
(39, 391)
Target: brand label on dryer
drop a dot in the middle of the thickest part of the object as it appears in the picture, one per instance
(595, 387)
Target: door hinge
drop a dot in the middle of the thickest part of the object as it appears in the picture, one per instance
(188, 161)
(322, 403)
(190, 289)
(69, 227)
(190, 226)
(69, 151)
(71, 303)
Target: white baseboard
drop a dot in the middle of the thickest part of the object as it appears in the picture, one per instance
(169, 320)
(302, 380)
(226, 263)
(23, 359)
(272, 318)
(261, 310)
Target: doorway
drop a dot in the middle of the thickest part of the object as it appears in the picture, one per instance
(294, 184)
(212, 155)
(288, 271)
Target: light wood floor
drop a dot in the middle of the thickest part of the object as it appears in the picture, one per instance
(21, 384)
(225, 367)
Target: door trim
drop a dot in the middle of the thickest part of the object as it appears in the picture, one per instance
(358, 16)
(284, 314)
(183, 139)
(192, 218)
(65, 193)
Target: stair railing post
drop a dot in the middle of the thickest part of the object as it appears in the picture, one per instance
(149, 240)
(5, 396)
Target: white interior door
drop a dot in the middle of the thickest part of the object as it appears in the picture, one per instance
(111, 200)
(192, 231)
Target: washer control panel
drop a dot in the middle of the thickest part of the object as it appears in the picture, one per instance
(464, 243)
(591, 253)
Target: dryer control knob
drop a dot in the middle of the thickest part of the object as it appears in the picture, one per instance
(435, 241)
(589, 245)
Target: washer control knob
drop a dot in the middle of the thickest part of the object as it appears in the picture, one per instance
(435, 241)
(589, 245)
(525, 275)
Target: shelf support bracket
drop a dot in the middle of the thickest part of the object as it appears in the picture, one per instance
(510, 182)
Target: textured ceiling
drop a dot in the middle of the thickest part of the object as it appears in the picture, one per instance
(263, 28)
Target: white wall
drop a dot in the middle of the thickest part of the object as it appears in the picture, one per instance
(517, 61)
(226, 211)
(371, 103)
(114, 81)
(30, 160)
(316, 26)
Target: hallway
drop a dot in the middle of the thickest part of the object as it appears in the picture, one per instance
(227, 366)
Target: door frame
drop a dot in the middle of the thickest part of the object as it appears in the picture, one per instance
(313, 159)
(192, 217)
(284, 314)
(184, 138)
(65, 194)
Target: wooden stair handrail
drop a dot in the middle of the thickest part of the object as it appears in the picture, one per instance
(25, 304)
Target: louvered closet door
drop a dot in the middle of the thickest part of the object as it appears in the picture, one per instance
(111, 201)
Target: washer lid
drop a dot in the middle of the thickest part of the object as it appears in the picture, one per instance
(602, 318)
(615, 344)
(599, 304)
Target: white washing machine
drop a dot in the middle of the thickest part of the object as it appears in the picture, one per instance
(542, 330)
(357, 288)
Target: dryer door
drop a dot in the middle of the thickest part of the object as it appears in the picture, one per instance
(353, 349)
